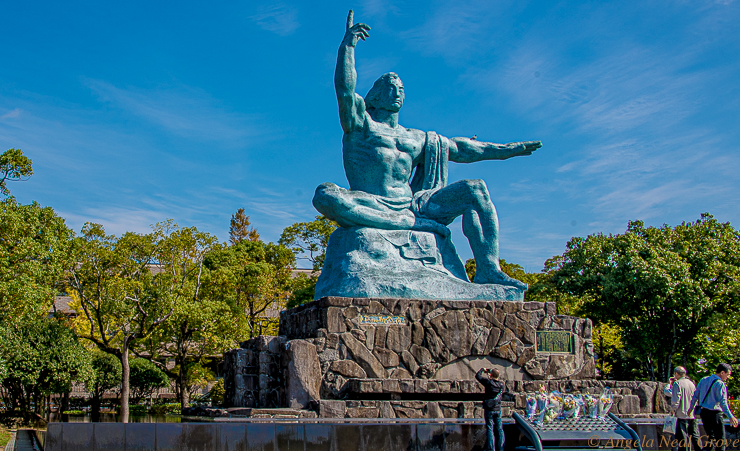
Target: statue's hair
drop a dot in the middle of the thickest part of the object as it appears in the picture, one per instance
(373, 94)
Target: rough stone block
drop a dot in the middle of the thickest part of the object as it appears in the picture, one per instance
(364, 357)
(391, 386)
(398, 338)
(332, 409)
(348, 368)
(335, 320)
(630, 404)
(387, 358)
(303, 375)
(400, 373)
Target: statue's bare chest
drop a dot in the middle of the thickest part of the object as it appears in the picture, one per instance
(390, 143)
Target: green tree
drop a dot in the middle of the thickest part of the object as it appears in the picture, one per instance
(303, 288)
(146, 377)
(660, 285)
(201, 325)
(719, 342)
(13, 166)
(510, 269)
(308, 240)
(240, 230)
(121, 295)
(34, 250)
(41, 356)
(254, 278)
(106, 374)
(217, 393)
(470, 268)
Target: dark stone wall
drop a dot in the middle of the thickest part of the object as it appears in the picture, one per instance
(254, 374)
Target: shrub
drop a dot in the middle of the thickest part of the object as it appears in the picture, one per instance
(138, 409)
(163, 409)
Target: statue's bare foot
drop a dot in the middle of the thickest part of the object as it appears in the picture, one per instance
(500, 278)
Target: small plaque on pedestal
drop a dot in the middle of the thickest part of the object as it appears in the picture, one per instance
(555, 342)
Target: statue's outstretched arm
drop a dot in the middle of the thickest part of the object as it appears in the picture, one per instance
(464, 150)
(351, 105)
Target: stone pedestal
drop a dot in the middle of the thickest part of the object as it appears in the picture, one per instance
(390, 358)
(430, 339)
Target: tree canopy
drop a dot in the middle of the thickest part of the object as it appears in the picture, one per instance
(13, 166)
(308, 240)
(253, 277)
(660, 285)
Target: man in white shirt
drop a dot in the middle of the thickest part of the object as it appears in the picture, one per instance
(681, 390)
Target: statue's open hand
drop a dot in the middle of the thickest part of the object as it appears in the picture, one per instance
(524, 148)
(355, 32)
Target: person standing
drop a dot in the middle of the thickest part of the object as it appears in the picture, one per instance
(681, 390)
(713, 395)
(489, 377)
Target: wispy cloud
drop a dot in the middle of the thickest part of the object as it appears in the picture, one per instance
(11, 114)
(277, 18)
(182, 110)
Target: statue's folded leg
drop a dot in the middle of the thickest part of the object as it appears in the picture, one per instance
(470, 199)
(350, 208)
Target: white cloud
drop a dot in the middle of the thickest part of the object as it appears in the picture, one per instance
(277, 18)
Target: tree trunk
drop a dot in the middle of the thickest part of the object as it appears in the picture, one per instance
(125, 388)
(182, 386)
(95, 402)
(64, 404)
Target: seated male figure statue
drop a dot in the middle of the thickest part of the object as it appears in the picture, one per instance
(380, 156)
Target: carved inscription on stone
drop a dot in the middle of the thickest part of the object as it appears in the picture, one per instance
(555, 342)
(382, 320)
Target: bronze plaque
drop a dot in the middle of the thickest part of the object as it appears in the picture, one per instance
(555, 342)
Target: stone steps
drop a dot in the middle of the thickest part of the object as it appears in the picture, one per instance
(24, 441)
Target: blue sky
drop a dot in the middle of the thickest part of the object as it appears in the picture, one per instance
(135, 112)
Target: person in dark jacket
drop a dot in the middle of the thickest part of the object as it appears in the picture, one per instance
(489, 377)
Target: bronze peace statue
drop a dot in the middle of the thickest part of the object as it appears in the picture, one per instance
(393, 241)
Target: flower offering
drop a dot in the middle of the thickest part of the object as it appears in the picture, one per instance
(541, 399)
(591, 403)
(531, 406)
(570, 407)
(605, 402)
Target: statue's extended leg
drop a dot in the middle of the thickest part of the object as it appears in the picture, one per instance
(470, 199)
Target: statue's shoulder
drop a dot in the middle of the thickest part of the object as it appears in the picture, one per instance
(417, 134)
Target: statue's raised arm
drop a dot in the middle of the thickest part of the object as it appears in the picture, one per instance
(351, 105)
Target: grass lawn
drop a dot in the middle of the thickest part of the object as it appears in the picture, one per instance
(4, 436)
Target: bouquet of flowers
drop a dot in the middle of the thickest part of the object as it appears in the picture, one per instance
(581, 406)
(605, 402)
(591, 403)
(554, 406)
(531, 406)
(541, 406)
(570, 407)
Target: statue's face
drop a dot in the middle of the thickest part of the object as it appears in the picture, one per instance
(392, 96)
